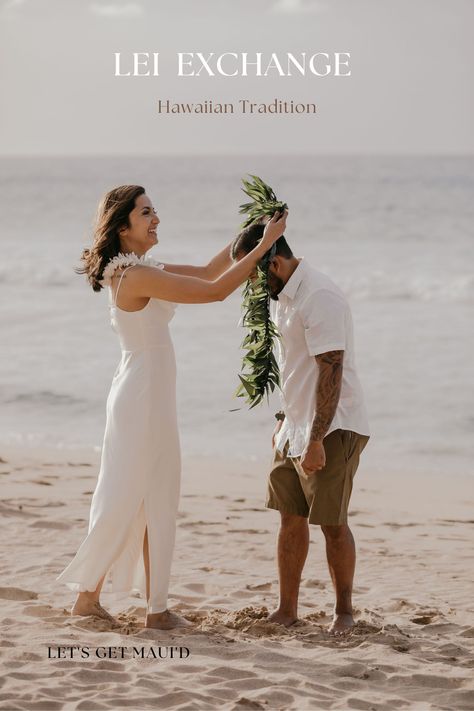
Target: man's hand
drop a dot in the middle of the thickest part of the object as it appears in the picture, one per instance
(313, 458)
(276, 431)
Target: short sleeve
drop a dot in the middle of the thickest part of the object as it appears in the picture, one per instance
(324, 319)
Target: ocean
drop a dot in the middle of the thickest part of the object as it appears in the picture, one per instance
(395, 233)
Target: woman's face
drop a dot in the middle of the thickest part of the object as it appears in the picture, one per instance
(141, 235)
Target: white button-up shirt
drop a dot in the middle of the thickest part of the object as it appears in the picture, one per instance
(313, 317)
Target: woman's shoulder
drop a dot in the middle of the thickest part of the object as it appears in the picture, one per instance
(121, 261)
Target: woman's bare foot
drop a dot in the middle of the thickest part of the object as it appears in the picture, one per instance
(166, 620)
(341, 624)
(282, 618)
(86, 607)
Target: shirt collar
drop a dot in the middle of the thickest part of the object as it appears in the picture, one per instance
(291, 286)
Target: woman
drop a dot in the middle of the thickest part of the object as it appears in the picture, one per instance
(135, 502)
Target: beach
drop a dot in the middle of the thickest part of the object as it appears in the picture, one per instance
(396, 235)
(412, 646)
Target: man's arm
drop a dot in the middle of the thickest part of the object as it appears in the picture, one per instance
(328, 390)
(217, 266)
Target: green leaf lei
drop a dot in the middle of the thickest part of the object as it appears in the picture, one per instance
(264, 201)
(260, 373)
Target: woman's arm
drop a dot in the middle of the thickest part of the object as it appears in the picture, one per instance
(160, 284)
(217, 266)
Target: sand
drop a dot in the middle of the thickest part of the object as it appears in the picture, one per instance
(412, 647)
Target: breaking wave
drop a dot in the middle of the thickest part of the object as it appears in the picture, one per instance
(375, 285)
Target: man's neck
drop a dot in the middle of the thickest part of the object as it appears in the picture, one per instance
(293, 264)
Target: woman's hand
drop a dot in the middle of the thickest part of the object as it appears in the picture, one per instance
(274, 229)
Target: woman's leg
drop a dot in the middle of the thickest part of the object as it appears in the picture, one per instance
(87, 603)
(157, 571)
(93, 595)
(161, 511)
(146, 563)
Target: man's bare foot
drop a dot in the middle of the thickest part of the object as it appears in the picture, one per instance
(282, 618)
(341, 624)
(166, 620)
(86, 608)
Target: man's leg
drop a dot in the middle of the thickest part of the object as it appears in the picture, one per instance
(293, 543)
(341, 556)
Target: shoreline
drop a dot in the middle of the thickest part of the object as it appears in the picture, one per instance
(243, 460)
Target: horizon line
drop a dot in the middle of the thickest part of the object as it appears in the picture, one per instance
(296, 154)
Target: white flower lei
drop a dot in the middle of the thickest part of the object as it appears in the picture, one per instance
(126, 260)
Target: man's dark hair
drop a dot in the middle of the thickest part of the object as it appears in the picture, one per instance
(249, 238)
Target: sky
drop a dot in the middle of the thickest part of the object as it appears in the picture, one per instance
(410, 91)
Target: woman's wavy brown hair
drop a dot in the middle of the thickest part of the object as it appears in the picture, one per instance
(112, 214)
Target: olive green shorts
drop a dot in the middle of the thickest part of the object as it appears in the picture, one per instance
(323, 497)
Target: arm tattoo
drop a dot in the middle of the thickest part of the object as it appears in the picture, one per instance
(328, 389)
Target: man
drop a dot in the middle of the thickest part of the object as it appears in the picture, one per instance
(323, 427)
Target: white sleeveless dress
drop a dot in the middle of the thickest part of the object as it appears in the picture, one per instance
(139, 477)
